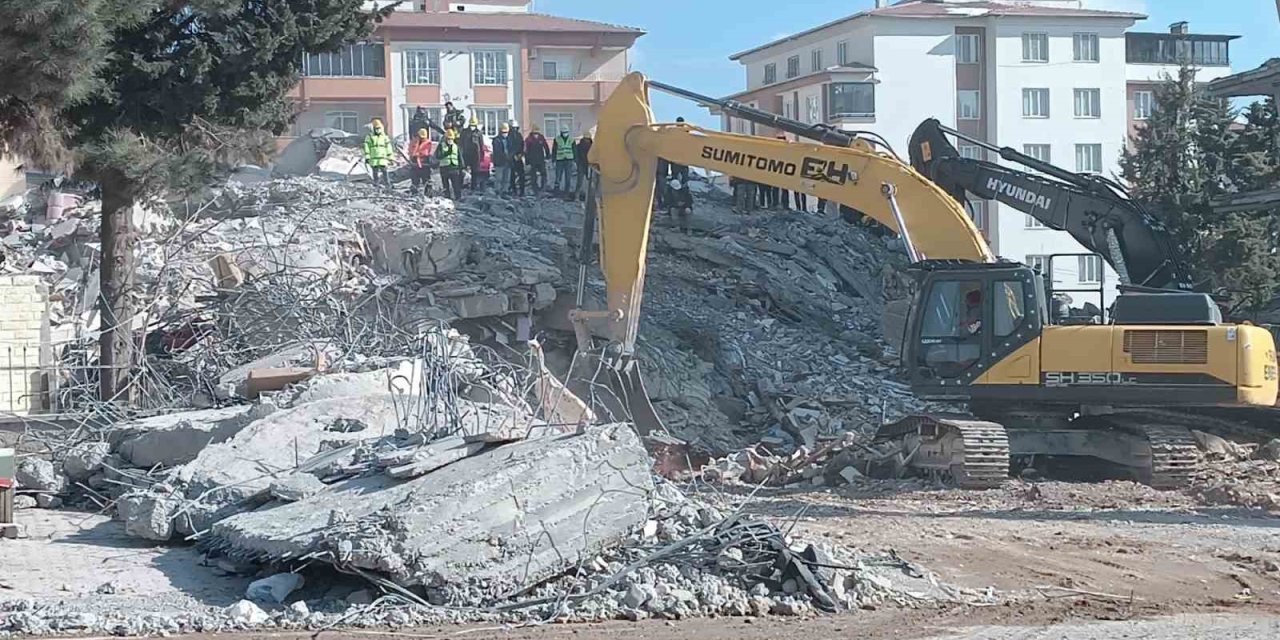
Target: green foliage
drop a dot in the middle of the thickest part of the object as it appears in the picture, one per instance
(1193, 150)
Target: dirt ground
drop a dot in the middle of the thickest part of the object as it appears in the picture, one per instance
(1064, 556)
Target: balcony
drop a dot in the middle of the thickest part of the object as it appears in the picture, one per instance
(340, 89)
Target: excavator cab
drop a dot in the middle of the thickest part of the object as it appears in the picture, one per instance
(966, 318)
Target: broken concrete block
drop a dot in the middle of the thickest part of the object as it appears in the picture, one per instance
(248, 614)
(298, 486)
(84, 460)
(38, 474)
(24, 502)
(436, 455)
(360, 598)
(416, 253)
(148, 515)
(482, 305)
(1268, 451)
(226, 273)
(544, 295)
(531, 510)
(261, 380)
(312, 355)
(177, 438)
(274, 589)
(46, 501)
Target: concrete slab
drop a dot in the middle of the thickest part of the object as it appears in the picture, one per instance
(494, 522)
(177, 438)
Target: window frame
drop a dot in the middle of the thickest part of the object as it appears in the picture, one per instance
(832, 114)
(1046, 101)
(771, 73)
(409, 67)
(480, 76)
(1028, 38)
(1089, 269)
(1030, 222)
(482, 114)
(842, 53)
(1076, 48)
(1000, 294)
(793, 67)
(1048, 149)
(329, 117)
(976, 94)
(1092, 102)
(342, 63)
(815, 60)
(978, 213)
(976, 49)
(813, 109)
(970, 151)
(1038, 263)
(1090, 146)
(1150, 99)
(559, 117)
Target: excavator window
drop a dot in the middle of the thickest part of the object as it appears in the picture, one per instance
(951, 331)
(1010, 307)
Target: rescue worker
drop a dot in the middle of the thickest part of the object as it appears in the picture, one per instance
(581, 151)
(536, 153)
(480, 179)
(517, 158)
(562, 151)
(378, 152)
(679, 171)
(469, 140)
(450, 157)
(503, 150)
(420, 162)
(420, 120)
(680, 204)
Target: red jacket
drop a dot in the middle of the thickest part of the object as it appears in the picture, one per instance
(420, 151)
(486, 159)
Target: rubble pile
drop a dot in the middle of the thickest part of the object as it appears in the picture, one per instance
(1237, 474)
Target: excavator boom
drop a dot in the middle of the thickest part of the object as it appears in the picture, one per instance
(626, 151)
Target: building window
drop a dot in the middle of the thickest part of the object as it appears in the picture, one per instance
(1089, 158)
(1035, 103)
(770, 73)
(793, 67)
(968, 105)
(422, 67)
(490, 67)
(815, 60)
(967, 48)
(842, 53)
(1086, 47)
(851, 99)
(813, 109)
(1088, 103)
(352, 61)
(1038, 151)
(553, 123)
(1035, 47)
(1039, 263)
(740, 126)
(491, 119)
(788, 109)
(978, 213)
(1143, 103)
(1032, 223)
(971, 152)
(1155, 48)
(348, 121)
(1090, 269)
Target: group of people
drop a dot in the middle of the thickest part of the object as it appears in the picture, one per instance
(467, 160)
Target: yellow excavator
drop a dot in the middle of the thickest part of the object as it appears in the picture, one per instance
(978, 329)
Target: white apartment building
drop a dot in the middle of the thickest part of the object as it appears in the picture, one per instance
(1051, 78)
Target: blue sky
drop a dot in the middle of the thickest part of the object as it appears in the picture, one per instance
(689, 41)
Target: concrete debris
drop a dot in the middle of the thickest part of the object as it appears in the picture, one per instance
(36, 474)
(177, 438)
(247, 614)
(295, 487)
(274, 589)
(85, 459)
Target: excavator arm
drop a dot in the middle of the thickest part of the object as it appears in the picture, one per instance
(625, 154)
(1095, 211)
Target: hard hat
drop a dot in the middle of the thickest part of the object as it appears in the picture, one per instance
(564, 131)
(675, 184)
(504, 127)
(451, 134)
(424, 134)
(533, 129)
(474, 122)
(376, 122)
(515, 124)
(679, 119)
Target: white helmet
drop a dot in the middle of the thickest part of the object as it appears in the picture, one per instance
(675, 184)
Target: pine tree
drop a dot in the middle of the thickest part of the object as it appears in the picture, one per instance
(149, 94)
(1190, 151)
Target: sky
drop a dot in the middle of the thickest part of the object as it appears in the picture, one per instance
(689, 42)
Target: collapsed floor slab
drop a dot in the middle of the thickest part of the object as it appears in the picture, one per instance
(489, 524)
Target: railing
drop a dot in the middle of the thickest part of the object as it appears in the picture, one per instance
(570, 76)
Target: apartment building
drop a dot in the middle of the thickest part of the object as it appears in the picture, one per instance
(494, 58)
(1052, 78)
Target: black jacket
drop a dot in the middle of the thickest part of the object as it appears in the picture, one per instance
(580, 152)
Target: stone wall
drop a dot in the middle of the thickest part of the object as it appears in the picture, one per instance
(24, 328)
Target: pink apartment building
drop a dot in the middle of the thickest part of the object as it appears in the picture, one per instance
(493, 58)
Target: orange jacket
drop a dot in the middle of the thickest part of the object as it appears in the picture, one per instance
(420, 151)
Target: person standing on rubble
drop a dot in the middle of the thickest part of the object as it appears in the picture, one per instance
(581, 152)
(470, 140)
(480, 179)
(450, 157)
(420, 162)
(420, 120)
(536, 153)
(503, 146)
(517, 158)
(378, 152)
(562, 151)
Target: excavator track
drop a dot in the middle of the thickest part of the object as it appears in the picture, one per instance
(972, 453)
(1175, 456)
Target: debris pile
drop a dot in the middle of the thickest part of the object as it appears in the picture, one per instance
(1232, 473)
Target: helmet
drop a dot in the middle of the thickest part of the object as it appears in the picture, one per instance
(424, 134)
(680, 120)
(515, 124)
(376, 123)
(675, 184)
(451, 134)
(474, 122)
(504, 127)
(564, 131)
